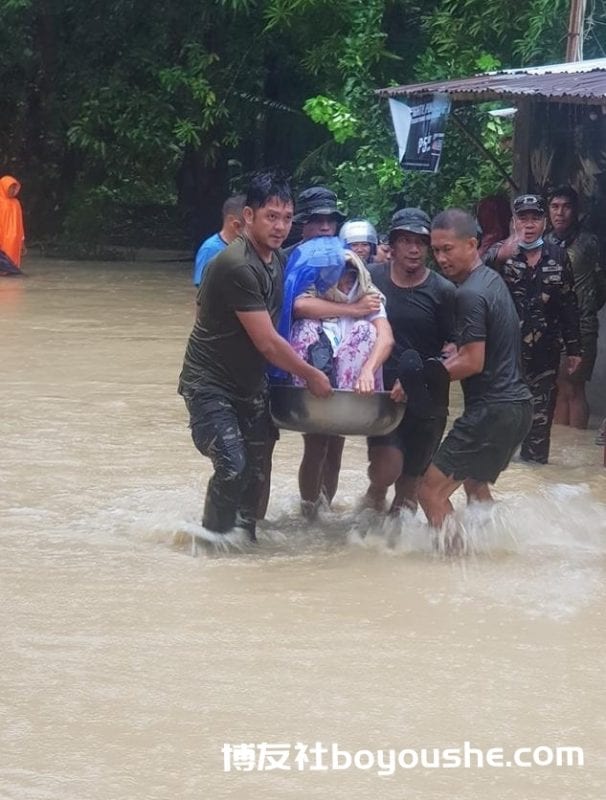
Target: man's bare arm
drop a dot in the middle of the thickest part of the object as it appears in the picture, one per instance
(276, 350)
(467, 361)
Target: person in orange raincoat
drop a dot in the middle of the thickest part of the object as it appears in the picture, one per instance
(11, 225)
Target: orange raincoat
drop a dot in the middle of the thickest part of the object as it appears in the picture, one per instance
(11, 220)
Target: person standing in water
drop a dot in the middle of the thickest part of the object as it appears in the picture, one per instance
(318, 214)
(583, 250)
(539, 277)
(231, 227)
(12, 236)
(497, 412)
(223, 378)
(331, 314)
(420, 310)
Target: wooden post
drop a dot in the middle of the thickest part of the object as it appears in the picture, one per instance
(576, 24)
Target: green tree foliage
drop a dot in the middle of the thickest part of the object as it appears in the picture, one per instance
(455, 38)
(106, 99)
(467, 37)
(127, 100)
(367, 177)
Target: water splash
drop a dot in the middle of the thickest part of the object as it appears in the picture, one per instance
(553, 518)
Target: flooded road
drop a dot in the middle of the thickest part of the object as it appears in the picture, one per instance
(126, 665)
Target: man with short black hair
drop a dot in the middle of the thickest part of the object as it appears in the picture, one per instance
(231, 227)
(583, 250)
(540, 280)
(420, 309)
(497, 402)
(223, 377)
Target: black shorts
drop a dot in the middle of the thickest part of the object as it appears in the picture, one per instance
(416, 438)
(481, 442)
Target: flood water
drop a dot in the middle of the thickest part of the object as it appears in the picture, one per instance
(126, 664)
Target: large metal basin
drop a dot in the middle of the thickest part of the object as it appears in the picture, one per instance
(344, 413)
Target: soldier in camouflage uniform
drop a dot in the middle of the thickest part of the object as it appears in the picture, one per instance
(539, 277)
(583, 251)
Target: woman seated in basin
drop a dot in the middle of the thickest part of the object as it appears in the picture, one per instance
(337, 320)
(348, 322)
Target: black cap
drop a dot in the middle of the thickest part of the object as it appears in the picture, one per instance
(529, 202)
(414, 220)
(316, 200)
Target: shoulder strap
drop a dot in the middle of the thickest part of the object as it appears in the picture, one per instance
(555, 251)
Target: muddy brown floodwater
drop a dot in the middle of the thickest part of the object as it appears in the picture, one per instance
(126, 664)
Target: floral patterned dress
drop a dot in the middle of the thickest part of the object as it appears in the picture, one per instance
(352, 341)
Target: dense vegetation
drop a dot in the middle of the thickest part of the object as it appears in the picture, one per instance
(111, 104)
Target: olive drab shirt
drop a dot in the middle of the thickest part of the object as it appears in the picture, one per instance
(583, 251)
(545, 301)
(220, 355)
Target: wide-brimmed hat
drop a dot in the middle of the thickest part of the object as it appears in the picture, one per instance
(316, 200)
(529, 202)
(414, 220)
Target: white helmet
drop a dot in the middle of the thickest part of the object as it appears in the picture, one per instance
(359, 230)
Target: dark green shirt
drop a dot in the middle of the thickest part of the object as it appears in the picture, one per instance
(220, 354)
(584, 254)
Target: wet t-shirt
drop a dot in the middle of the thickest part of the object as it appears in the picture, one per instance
(219, 353)
(421, 317)
(583, 250)
(485, 312)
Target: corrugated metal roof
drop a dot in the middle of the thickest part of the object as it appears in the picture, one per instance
(580, 82)
(567, 66)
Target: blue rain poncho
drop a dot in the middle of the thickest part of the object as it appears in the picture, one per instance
(317, 263)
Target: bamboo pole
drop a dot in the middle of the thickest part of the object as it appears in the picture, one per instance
(576, 24)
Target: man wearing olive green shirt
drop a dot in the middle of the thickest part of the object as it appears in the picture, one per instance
(589, 284)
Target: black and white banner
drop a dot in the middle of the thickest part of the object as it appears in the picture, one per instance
(419, 128)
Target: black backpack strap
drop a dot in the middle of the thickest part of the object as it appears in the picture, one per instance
(555, 251)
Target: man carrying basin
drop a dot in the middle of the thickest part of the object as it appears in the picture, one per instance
(420, 309)
(223, 377)
(317, 215)
(326, 324)
(497, 412)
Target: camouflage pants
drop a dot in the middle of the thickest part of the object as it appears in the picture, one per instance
(232, 433)
(542, 383)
